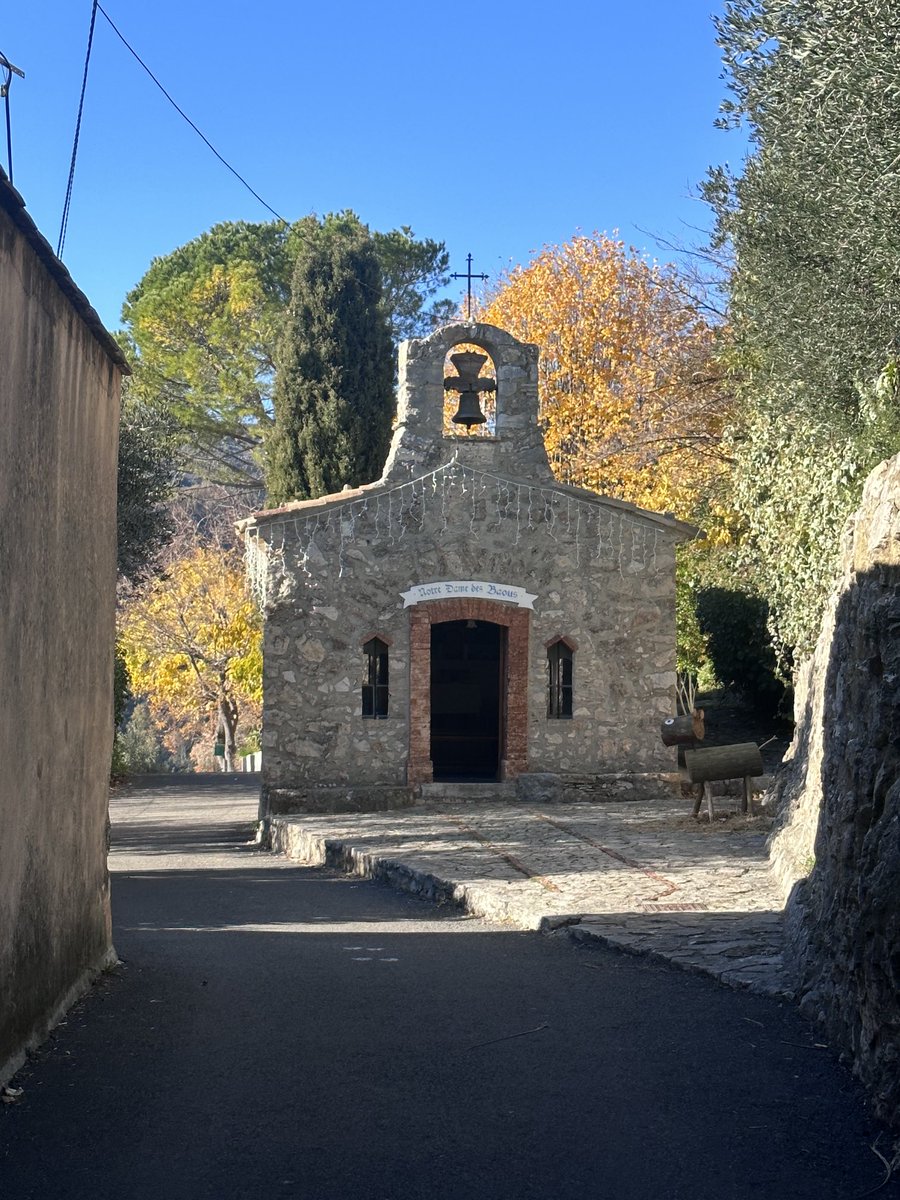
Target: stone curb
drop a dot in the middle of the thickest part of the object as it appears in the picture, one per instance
(302, 845)
(316, 850)
(740, 980)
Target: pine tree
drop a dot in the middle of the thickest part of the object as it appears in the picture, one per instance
(334, 386)
(202, 332)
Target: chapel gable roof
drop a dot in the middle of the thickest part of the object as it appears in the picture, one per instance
(681, 530)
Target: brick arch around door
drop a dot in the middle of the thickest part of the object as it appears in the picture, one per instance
(514, 752)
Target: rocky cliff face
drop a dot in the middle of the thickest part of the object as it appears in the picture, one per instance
(836, 847)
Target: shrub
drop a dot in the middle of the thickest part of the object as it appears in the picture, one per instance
(738, 643)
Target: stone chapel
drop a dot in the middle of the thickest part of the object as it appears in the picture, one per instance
(466, 619)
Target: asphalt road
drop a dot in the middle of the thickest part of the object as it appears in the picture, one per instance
(276, 1031)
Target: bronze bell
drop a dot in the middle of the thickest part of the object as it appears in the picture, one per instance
(468, 384)
(468, 411)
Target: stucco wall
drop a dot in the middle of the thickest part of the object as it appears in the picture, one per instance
(59, 392)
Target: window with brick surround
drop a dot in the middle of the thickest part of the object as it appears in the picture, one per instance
(375, 678)
(560, 659)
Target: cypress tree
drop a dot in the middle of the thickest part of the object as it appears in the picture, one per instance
(334, 395)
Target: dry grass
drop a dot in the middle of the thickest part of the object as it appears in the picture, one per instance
(725, 822)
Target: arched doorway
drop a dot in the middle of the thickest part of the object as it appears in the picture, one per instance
(468, 693)
(512, 674)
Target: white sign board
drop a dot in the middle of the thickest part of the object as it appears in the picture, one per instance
(469, 589)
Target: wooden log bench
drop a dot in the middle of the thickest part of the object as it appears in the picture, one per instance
(715, 763)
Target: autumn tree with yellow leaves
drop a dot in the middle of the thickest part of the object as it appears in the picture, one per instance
(192, 642)
(631, 396)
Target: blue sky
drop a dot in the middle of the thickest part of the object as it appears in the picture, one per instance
(497, 128)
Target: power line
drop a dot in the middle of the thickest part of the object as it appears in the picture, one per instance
(99, 7)
(87, 62)
(183, 114)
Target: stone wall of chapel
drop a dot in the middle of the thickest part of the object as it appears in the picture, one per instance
(604, 578)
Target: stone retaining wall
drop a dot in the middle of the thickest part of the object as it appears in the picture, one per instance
(335, 798)
(836, 848)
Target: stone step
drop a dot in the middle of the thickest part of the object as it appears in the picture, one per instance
(462, 793)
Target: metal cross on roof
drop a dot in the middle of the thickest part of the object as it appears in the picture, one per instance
(469, 276)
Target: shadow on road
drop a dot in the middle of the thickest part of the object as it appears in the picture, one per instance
(154, 837)
(358, 1043)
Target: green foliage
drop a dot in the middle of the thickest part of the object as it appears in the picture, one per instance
(251, 743)
(139, 747)
(735, 625)
(412, 271)
(801, 477)
(814, 220)
(798, 478)
(145, 483)
(334, 395)
(813, 227)
(121, 687)
(121, 697)
(204, 324)
(692, 650)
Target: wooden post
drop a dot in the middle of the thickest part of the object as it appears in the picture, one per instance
(707, 792)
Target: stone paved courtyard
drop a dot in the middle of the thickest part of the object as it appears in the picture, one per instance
(642, 876)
